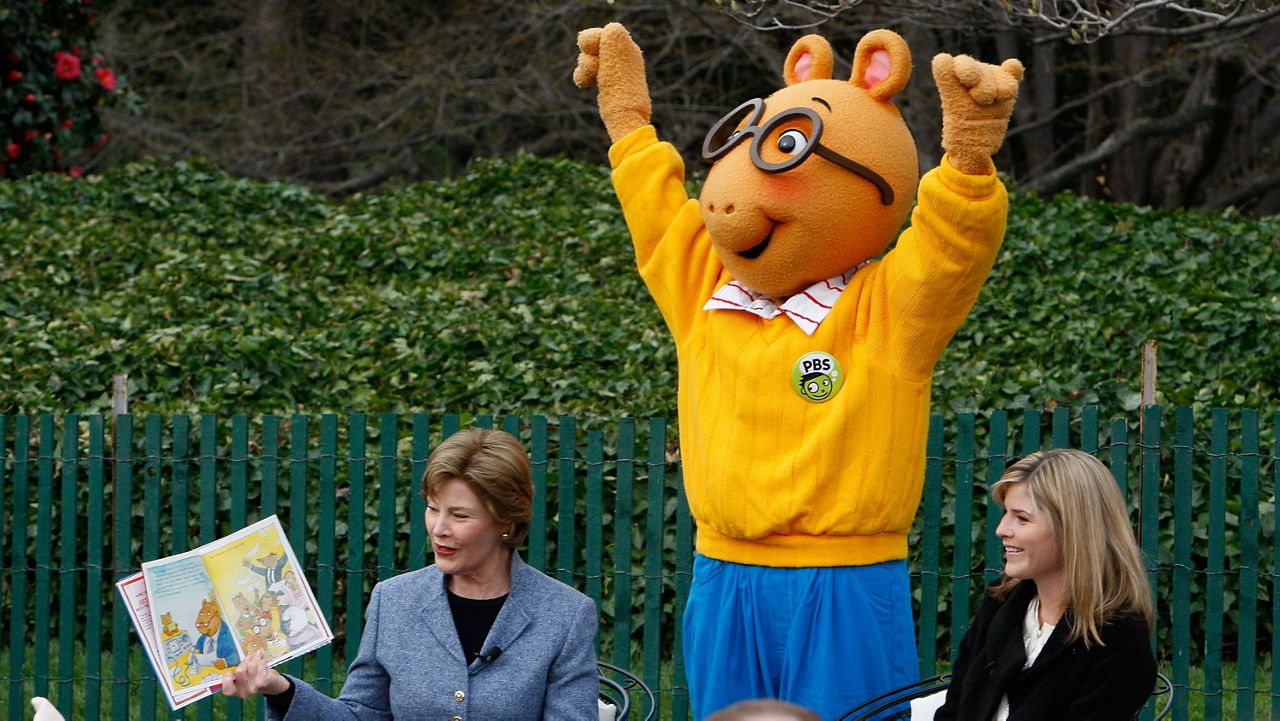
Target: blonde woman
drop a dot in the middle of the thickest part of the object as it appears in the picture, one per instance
(1065, 634)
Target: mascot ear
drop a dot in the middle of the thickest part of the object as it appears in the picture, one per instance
(881, 64)
(810, 59)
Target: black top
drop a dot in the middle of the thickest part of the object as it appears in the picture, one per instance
(1104, 682)
(473, 617)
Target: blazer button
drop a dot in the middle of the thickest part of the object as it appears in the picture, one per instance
(457, 718)
(459, 696)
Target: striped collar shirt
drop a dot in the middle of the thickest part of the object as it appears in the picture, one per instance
(807, 309)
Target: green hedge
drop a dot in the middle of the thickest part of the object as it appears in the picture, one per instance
(513, 289)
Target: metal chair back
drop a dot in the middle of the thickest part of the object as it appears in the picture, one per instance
(617, 686)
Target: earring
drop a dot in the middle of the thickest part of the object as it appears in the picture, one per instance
(506, 535)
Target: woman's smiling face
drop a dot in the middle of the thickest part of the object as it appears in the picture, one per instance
(465, 537)
(1031, 550)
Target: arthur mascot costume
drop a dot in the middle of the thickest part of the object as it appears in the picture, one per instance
(805, 362)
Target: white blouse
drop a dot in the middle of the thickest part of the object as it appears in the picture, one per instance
(1034, 637)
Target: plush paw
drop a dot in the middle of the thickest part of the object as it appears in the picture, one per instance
(977, 100)
(609, 59)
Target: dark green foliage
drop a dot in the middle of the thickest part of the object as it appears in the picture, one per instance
(52, 84)
(1080, 284)
(513, 289)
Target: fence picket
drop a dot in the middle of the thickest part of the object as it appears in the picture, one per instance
(356, 480)
(538, 529)
(44, 549)
(566, 487)
(997, 440)
(389, 522)
(594, 521)
(622, 545)
(69, 545)
(152, 460)
(1246, 627)
(1061, 427)
(417, 516)
(1089, 430)
(122, 517)
(962, 560)
(1184, 439)
(1214, 566)
(1148, 535)
(94, 592)
(325, 563)
(1275, 578)
(1120, 455)
(269, 489)
(656, 503)
(930, 541)
(684, 578)
(18, 565)
(297, 530)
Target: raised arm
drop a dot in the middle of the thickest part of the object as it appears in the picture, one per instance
(611, 60)
(932, 278)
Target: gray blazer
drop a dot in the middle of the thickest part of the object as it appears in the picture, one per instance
(410, 664)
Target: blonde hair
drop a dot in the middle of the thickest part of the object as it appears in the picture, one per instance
(495, 467)
(1102, 566)
(764, 709)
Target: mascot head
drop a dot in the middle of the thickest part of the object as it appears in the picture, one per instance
(816, 178)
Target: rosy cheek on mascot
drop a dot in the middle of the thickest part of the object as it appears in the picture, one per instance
(805, 363)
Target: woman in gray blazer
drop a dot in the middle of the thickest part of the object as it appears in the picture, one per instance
(477, 635)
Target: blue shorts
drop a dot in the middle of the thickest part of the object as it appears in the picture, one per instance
(824, 638)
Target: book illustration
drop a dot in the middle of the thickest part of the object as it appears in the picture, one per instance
(202, 648)
(172, 640)
(202, 611)
(273, 611)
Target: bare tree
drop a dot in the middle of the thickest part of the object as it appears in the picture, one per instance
(1147, 101)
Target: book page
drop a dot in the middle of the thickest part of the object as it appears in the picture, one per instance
(134, 592)
(193, 633)
(269, 603)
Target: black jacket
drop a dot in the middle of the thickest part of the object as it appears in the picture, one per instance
(1067, 681)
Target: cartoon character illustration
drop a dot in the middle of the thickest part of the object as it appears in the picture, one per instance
(805, 478)
(168, 627)
(215, 646)
(301, 629)
(244, 621)
(270, 565)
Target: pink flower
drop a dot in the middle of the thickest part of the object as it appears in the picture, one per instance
(66, 66)
(105, 138)
(14, 76)
(29, 98)
(75, 171)
(106, 78)
(30, 135)
(67, 123)
(13, 150)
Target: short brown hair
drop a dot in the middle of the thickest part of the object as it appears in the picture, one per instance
(764, 709)
(495, 467)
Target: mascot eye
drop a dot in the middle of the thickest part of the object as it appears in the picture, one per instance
(792, 141)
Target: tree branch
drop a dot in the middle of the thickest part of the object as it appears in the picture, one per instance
(1144, 128)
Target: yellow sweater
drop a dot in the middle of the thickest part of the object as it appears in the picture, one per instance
(774, 479)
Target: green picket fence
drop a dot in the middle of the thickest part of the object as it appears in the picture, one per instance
(87, 498)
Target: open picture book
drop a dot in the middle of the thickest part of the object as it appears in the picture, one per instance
(198, 613)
